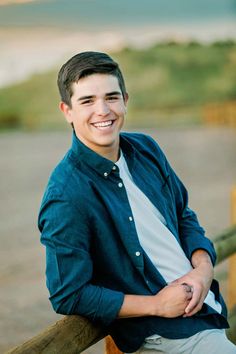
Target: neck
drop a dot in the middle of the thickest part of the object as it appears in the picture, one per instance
(109, 152)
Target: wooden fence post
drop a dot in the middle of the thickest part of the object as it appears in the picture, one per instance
(232, 259)
(110, 347)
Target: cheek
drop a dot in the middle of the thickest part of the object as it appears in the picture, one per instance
(82, 115)
(120, 110)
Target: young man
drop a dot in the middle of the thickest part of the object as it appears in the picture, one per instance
(123, 248)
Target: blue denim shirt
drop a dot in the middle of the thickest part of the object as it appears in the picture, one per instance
(93, 255)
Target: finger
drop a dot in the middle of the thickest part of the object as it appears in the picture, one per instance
(187, 291)
(191, 306)
(188, 288)
(189, 295)
(194, 301)
(195, 310)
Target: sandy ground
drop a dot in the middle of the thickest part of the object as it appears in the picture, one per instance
(204, 158)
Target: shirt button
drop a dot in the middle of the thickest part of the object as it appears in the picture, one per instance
(130, 218)
(137, 254)
(120, 185)
(114, 167)
(105, 174)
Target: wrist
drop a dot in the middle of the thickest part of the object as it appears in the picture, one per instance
(201, 257)
(156, 305)
(152, 306)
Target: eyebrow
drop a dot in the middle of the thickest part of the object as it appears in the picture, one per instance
(113, 93)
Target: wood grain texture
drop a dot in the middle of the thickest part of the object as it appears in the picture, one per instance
(72, 334)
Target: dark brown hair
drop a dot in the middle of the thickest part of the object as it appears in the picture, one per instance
(85, 64)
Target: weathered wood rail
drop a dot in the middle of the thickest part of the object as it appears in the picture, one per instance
(74, 334)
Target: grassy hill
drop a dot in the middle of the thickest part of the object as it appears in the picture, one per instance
(168, 83)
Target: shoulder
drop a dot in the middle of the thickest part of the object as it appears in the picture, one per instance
(144, 143)
(64, 181)
(140, 139)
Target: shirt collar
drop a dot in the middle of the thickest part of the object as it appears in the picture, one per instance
(103, 166)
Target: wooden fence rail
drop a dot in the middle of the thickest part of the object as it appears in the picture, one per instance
(74, 334)
(70, 335)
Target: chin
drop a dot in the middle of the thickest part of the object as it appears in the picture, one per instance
(107, 142)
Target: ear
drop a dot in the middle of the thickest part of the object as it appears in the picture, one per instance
(66, 110)
(126, 98)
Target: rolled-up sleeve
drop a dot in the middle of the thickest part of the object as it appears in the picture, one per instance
(66, 234)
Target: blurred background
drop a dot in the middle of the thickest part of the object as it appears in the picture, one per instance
(179, 61)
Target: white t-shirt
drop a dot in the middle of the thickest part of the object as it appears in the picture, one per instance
(156, 239)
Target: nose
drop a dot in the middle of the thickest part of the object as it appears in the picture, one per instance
(102, 108)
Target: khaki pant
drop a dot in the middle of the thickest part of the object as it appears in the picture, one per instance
(212, 341)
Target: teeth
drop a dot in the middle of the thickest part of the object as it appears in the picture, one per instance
(103, 124)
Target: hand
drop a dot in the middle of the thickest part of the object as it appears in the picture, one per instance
(172, 300)
(199, 279)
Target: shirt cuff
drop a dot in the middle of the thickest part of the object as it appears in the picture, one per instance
(109, 306)
(205, 244)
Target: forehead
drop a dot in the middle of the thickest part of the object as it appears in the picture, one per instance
(96, 84)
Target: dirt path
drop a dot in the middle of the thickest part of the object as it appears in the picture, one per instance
(205, 159)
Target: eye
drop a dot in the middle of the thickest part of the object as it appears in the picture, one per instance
(112, 98)
(87, 101)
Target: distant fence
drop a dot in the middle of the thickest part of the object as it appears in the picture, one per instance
(74, 334)
(223, 113)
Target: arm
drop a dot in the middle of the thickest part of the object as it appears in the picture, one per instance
(170, 302)
(198, 248)
(191, 234)
(69, 267)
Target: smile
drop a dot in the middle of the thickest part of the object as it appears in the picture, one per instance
(105, 124)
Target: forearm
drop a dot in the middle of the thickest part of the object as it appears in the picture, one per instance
(136, 306)
(169, 302)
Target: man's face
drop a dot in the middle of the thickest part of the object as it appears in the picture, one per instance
(97, 111)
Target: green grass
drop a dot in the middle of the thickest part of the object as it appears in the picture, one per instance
(168, 84)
